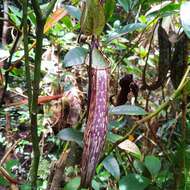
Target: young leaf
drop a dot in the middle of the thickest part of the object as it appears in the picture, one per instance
(153, 164)
(111, 164)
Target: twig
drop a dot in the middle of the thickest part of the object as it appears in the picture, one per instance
(9, 151)
(26, 54)
(7, 176)
(9, 64)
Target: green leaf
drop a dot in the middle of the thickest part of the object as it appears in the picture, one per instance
(127, 29)
(164, 9)
(163, 177)
(112, 166)
(139, 166)
(126, 4)
(16, 11)
(153, 164)
(15, 19)
(132, 27)
(133, 182)
(25, 187)
(67, 21)
(130, 147)
(113, 137)
(185, 17)
(70, 134)
(109, 9)
(3, 182)
(127, 110)
(96, 185)
(73, 11)
(15, 15)
(75, 56)
(73, 184)
(10, 164)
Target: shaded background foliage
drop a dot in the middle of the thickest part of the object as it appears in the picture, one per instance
(154, 156)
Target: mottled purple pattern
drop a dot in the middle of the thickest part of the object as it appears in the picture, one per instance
(95, 132)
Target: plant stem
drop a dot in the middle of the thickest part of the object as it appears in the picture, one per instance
(40, 23)
(26, 54)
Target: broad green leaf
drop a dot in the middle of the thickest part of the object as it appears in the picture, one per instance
(75, 56)
(25, 187)
(164, 9)
(164, 176)
(127, 110)
(112, 166)
(132, 27)
(153, 164)
(16, 11)
(133, 182)
(126, 4)
(109, 9)
(15, 15)
(113, 137)
(129, 28)
(70, 134)
(3, 182)
(116, 124)
(130, 147)
(68, 22)
(15, 19)
(139, 166)
(10, 164)
(98, 60)
(73, 184)
(185, 17)
(73, 11)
